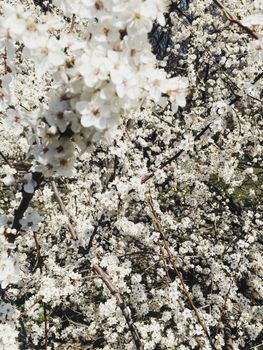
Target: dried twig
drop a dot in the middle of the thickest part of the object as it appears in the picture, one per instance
(157, 224)
(233, 19)
(125, 310)
(62, 208)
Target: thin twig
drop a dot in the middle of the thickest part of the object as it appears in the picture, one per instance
(7, 68)
(5, 159)
(125, 311)
(77, 323)
(45, 325)
(94, 233)
(73, 21)
(233, 19)
(62, 208)
(157, 224)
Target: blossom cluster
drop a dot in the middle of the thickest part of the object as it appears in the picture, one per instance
(101, 67)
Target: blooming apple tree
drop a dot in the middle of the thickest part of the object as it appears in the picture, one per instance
(131, 174)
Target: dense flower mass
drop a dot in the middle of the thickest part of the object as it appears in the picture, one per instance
(131, 174)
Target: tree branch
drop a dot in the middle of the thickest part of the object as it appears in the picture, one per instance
(233, 19)
(157, 224)
(62, 209)
(125, 311)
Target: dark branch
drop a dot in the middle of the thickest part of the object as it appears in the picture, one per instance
(24, 204)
